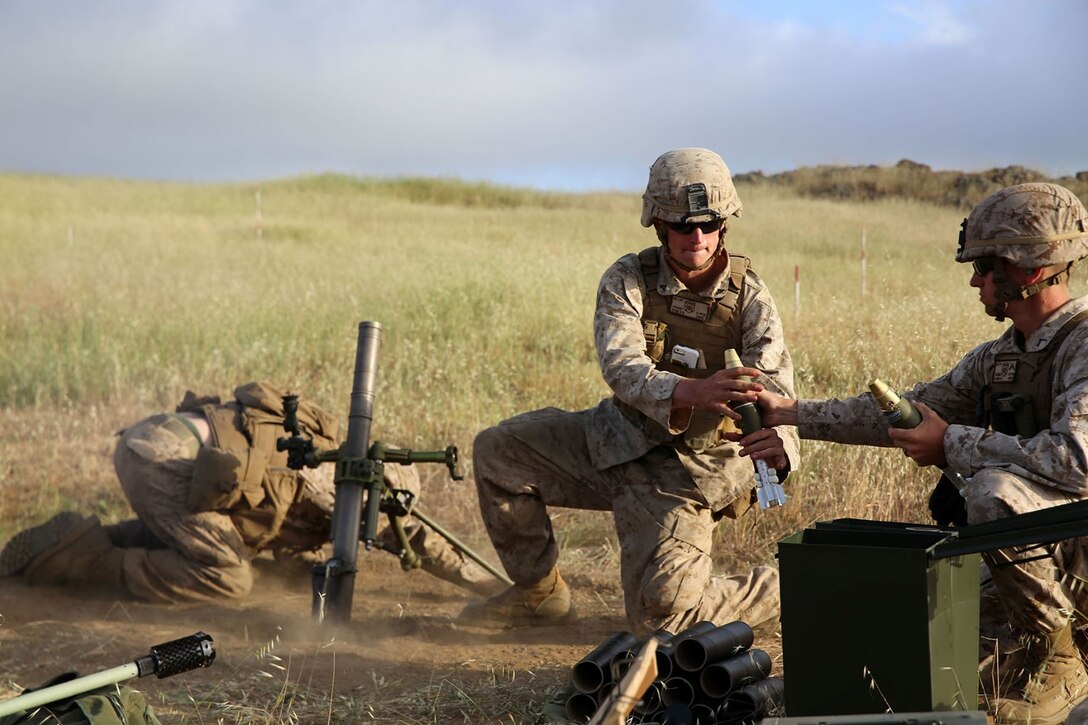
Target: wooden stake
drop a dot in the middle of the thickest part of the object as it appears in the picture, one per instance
(615, 709)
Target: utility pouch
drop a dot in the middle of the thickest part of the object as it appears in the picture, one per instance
(262, 522)
(737, 507)
(1013, 415)
(706, 430)
(702, 432)
(221, 478)
(657, 337)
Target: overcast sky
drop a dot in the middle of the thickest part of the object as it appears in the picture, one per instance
(548, 93)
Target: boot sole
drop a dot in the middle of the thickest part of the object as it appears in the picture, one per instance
(29, 544)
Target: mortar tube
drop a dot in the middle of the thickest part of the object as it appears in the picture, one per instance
(593, 670)
(334, 602)
(720, 678)
(695, 653)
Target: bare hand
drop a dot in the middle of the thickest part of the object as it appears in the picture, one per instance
(716, 392)
(924, 444)
(766, 445)
(777, 409)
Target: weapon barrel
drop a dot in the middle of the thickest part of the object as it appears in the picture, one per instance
(347, 512)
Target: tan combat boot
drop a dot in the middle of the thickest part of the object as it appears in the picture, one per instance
(1057, 682)
(544, 602)
(67, 549)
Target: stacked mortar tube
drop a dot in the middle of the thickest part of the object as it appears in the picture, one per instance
(706, 675)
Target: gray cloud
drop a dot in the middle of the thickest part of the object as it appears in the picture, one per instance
(564, 94)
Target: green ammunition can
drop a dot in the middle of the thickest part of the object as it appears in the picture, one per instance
(876, 618)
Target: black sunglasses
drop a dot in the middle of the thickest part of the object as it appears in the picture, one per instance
(984, 265)
(688, 227)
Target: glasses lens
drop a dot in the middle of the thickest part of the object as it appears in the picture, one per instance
(984, 265)
(688, 227)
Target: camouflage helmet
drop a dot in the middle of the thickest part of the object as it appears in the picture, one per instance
(689, 185)
(1028, 225)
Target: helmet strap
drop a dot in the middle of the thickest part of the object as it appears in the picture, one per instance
(1007, 291)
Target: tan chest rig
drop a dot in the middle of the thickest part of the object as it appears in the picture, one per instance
(241, 473)
(1018, 399)
(694, 321)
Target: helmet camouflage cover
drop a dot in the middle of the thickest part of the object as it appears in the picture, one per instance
(1028, 225)
(689, 185)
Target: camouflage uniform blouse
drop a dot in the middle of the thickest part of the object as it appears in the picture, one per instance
(1056, 457)
(613, 437)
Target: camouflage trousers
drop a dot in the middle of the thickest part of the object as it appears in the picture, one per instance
(1041, 589)
(200, 556)
(663, 522)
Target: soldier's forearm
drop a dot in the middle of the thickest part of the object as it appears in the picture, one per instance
(777, 409)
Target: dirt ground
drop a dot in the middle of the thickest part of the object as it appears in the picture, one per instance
(404, 657)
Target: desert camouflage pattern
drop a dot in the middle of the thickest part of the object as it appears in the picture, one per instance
(614, 438)
(203, 556)
(1007, 474)
(663, 498)
(663, 522)
(1029, 225)
(207, 555)
(668, 194)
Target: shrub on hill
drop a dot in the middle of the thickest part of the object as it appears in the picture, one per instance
(908, 180)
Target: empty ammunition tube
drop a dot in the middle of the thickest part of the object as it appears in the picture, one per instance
(593, 670)
(753, 701)
(667, 649)
(651, 699)
(678, 690)
(622, 660)
(720, 678)
(695, 653)
(704, 714)
(580, 707)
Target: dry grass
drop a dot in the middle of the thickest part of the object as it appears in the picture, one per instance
(116, 297)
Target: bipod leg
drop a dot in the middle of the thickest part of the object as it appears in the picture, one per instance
(409, 559)
(457, 544)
